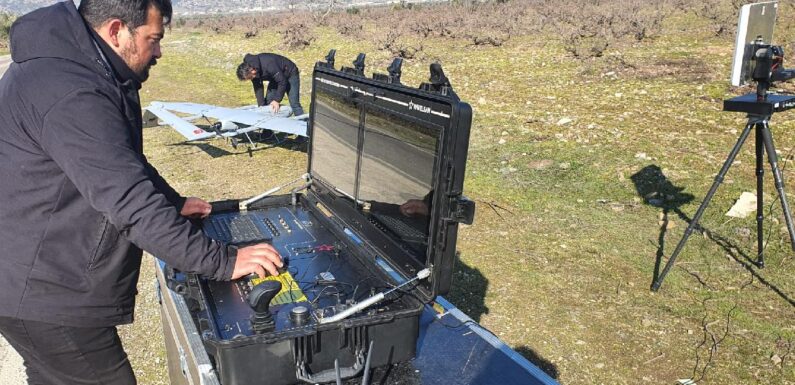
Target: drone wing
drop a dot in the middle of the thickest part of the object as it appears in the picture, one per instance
(255, 118)
(158, 111)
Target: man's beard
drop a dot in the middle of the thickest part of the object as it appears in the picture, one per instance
(129, 54)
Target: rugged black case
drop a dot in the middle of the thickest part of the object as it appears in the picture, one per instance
(285, 356)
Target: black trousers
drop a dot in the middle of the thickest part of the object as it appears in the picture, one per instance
(65, 355)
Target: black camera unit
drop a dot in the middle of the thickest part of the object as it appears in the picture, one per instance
(769, 67)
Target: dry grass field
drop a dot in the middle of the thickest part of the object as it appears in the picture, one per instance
(575, 162)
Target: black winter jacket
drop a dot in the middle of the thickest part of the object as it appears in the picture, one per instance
(78, 199)
(274, 69)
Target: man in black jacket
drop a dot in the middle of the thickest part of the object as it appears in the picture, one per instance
(79, 199)
(282, 77)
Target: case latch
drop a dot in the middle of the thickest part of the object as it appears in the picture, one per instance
(438, 82)
(462, 210)
(358, 66)
(329, 63)
(394, 72)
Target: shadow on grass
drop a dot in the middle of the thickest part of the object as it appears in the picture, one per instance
(262, 143)
(300, 144)
(469, 291)
(213, 151)
(546, 366)
(468, 294)
(747, 263)
(656, 190)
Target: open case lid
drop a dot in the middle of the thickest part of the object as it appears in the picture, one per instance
(388, 162)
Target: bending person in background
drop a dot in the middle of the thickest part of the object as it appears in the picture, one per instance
(282, 77)
(80, 200)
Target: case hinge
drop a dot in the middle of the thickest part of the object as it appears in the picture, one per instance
(462, 210)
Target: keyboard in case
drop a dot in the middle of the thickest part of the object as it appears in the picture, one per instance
(235, 228)
(399, 227)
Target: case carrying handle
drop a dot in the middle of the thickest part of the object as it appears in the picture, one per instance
(330, 375)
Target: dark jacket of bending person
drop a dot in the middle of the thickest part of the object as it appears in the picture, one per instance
(282, 76)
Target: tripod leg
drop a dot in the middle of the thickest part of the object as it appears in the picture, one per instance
(694, 222)
(760, 205)
(773, 159)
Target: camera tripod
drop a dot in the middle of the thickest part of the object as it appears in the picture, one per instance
(759, 114)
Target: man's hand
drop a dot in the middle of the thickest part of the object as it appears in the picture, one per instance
(257, 259)
(274, 107)
(196, 208)
(414, 207)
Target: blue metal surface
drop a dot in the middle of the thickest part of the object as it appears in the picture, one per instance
(453, 349)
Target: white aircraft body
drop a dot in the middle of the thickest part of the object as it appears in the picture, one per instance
(229, 122)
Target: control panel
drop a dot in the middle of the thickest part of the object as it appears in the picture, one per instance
(320, 277)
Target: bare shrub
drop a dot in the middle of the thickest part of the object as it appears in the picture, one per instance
(349, 24)
(297, 30)
(585, 28)
(493, 24)
(528, 18)
(432, 23)
(220, 24)
(319, 10)
(252, 24)
(399, 45)
(640, 20)
(190, 23)
(589, 28)
(586, 45)
(398, 39)
(385, 18)
(249, 26)
(422, 27)
(722, 13)
(490, 23)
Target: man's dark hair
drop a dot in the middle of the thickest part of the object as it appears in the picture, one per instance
(243, 69)
(131, 12)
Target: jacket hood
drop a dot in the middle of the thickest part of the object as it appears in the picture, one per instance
(57, 31)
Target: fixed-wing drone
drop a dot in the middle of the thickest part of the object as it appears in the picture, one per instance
(232, 123)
